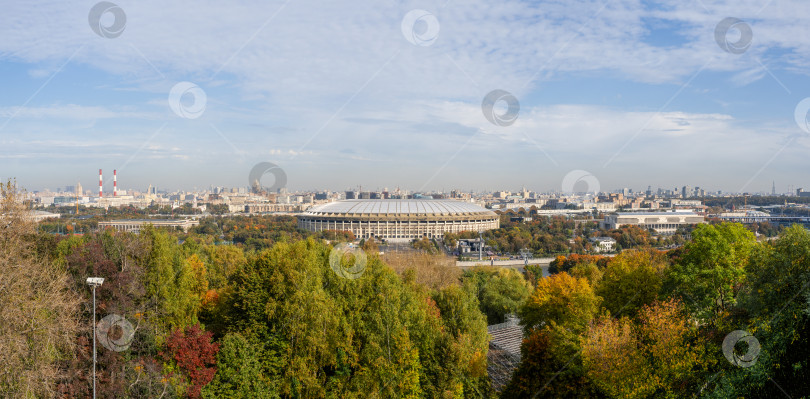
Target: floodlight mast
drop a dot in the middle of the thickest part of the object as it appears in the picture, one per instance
(94, 282)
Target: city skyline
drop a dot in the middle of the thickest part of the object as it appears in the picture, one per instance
(635, 94)
(579, 188)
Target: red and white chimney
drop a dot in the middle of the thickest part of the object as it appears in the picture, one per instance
(99, 184)
(115, 183)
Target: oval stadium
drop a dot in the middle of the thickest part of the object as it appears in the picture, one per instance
(398, 219)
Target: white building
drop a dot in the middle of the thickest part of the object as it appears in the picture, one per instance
(660, 222)
(135, 225)
(398, 220)
(603, 244)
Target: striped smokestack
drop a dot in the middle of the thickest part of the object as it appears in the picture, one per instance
(99, 184)
(115, 183)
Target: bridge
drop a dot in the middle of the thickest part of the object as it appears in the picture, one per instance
(776, 220)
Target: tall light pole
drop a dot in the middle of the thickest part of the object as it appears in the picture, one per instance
(94, 282)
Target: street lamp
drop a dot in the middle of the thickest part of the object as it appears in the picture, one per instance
(94, 282)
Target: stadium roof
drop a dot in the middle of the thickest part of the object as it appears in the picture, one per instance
(398, 207)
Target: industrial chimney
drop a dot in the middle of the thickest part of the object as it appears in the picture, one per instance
(99, 184)
(115, 183)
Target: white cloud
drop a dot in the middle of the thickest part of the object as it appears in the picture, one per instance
(69, 111)
(278, 74)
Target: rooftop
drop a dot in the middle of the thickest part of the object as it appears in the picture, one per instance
(398, 207)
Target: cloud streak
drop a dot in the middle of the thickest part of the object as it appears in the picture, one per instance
(278, 73)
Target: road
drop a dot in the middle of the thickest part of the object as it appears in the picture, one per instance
(514, 264)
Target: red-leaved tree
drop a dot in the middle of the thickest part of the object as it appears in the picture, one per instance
(195, 356)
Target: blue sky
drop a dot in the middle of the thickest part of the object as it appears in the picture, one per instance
(635, 92)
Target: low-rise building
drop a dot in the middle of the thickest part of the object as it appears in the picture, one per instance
(39, 216)
(135, 225)
(660, 222)
(267, 207)
(603, 244)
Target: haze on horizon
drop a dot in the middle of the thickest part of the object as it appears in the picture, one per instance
(184, 95)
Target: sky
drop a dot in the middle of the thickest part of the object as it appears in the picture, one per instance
(421, 95)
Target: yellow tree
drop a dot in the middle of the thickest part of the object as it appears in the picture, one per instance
(674, 351)
(613, 359)
(657, 354)
(38, 310)
(554, 316)
(560, 300)
(200, 274)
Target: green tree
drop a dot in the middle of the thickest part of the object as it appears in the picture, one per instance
(426, 245)
(631, 280)
(172, 286)
(588, 271)
(776, 295)
(710, 273)
(225, 261)
(371, 336)
(500, 291)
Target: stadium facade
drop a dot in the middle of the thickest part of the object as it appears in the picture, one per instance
(398, 219)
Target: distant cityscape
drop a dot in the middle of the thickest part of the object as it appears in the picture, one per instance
(258, 199)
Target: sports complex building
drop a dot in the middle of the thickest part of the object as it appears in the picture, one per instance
(398, 219)
(661, 222)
